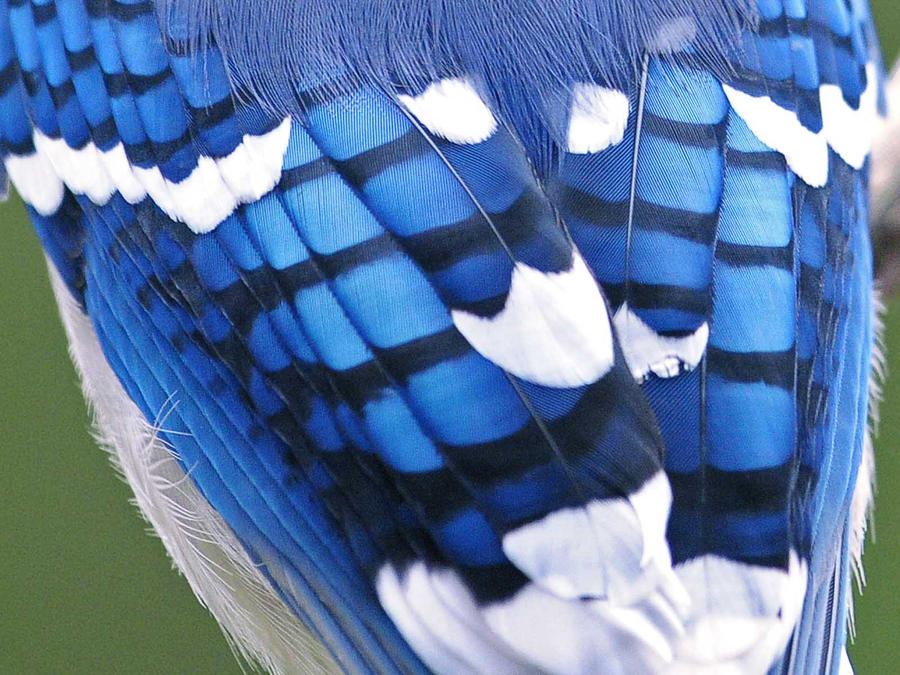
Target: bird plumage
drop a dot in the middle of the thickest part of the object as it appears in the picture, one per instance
(506, 338)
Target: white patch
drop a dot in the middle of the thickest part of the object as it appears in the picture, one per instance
(437, 615)
(534, 632)
(570, 637)
(201, 201)
(124, 179)
(647, 352)
(561, 552)
(845, 668)
(849, 132)
(226, 580)
(742, 615)
(453, 110)
(806, 152)
(36, 181)
(611, 549)
(554, 329)
(81, 170)
(439, 657)
(673, 35)
(598, 118)
(254, 167)
(652, 503)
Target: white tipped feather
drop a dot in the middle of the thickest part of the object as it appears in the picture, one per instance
(533, 632)
(453, 110)
(847, 130)
(805, 151)
(258, 625)
(594, 637)
(438, 616)
(36, 181)
(613, 548)
(647, 352)
(440, 657)
(742, 615)
(206, 197)
(80, 169)
(850, 131)
(553, 330)
(652, 503)
(603, 597)
(598, 118)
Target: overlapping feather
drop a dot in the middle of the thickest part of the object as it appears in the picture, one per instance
(398, 380)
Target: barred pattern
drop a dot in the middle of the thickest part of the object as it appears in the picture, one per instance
(336, 306)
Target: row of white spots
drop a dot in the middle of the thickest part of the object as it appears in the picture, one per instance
(453, 110)
(598, 120)
(214, 188)
(709, 615)
(732, 617)
(613, 550)
(553, 330)
(848, 131)
(648, 352)
(541, 350)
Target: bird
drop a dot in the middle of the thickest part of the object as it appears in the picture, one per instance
(462, 337)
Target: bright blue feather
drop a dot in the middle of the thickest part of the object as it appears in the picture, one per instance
(320, 329)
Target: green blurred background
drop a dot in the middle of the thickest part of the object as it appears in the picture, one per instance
(83, 589)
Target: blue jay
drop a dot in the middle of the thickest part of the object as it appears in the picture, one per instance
(472, 337)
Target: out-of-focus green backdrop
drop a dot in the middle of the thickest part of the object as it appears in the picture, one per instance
(83, 589)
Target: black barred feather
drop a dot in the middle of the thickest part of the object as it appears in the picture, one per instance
(500, 337)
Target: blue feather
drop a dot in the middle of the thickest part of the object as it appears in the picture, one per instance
(446, 306)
